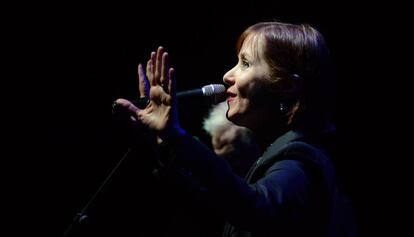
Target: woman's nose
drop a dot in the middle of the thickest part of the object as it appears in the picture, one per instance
(228, 78)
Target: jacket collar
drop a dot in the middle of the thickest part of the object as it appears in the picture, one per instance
(281, 141)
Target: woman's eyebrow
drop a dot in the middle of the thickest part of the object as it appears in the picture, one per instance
(244, 55)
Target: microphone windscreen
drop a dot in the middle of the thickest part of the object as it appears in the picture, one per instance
(213, 89)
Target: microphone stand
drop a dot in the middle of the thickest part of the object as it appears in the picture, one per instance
(81, 216)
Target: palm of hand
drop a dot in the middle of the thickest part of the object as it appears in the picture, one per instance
(157, 115)
(157, 83)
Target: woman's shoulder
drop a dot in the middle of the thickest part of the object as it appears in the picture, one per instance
(303, 150)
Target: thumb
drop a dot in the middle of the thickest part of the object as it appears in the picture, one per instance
(126, 105)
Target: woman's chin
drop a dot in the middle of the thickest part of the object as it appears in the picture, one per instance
(234, 118)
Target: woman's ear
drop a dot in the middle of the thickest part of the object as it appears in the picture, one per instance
(288, 88)
(295, 85)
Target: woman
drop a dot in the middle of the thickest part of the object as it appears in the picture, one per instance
(280, 90)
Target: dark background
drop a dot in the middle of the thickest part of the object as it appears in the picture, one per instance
(71, 61)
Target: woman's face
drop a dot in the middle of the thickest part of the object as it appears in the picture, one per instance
(247, 82)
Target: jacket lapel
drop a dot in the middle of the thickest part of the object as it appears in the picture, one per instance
(271, 153)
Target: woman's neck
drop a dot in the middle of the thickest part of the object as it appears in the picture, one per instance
(268, 130)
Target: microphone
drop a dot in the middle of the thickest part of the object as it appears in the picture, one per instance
(208, 90)
(217, 91)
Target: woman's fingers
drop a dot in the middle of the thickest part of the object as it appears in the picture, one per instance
(150, 69)
(164, 71)
(143, 82)
(158, 65)
(171, 82)
(158, 69)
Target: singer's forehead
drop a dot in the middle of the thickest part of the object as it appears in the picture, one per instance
(252, 47)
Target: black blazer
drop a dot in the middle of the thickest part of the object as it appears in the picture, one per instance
(289, 191)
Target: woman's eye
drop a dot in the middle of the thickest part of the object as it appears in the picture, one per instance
(245, 63)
